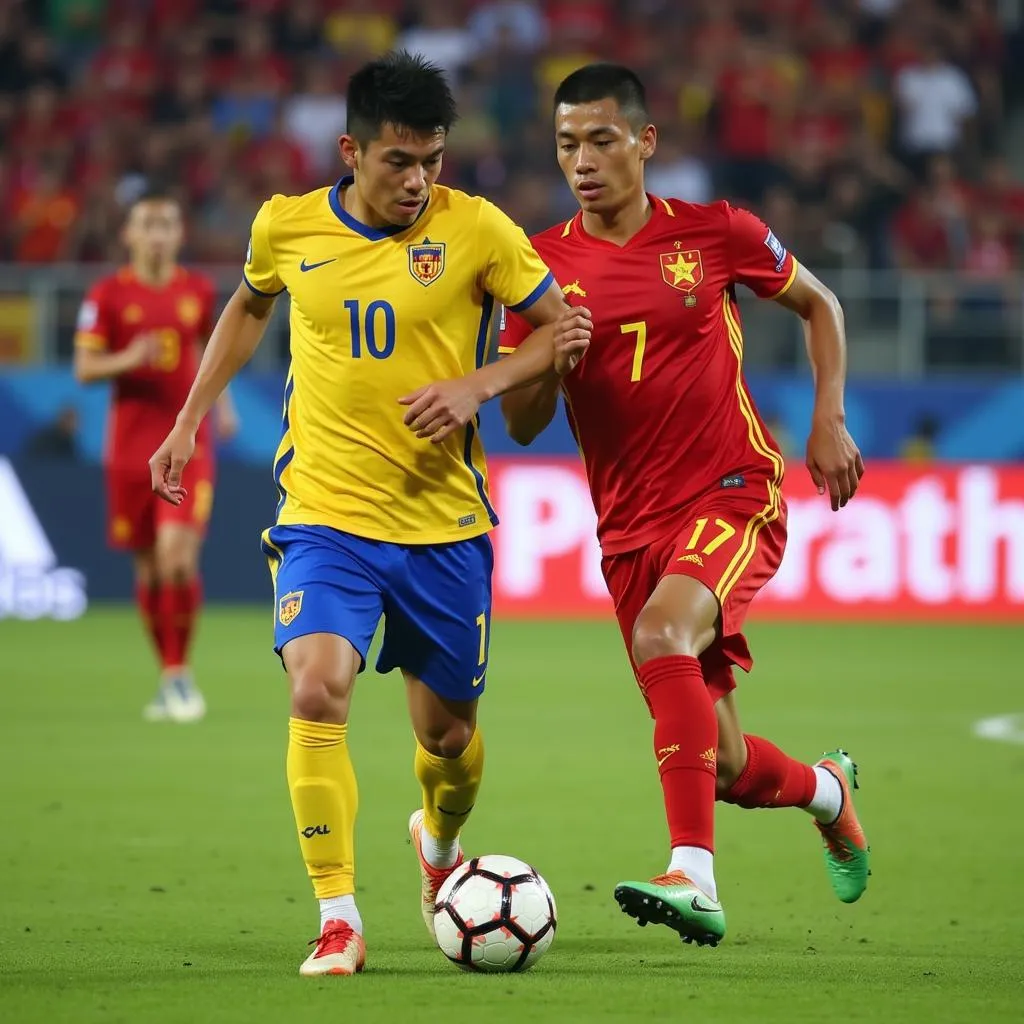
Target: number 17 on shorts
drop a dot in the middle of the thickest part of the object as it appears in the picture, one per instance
(733, 548)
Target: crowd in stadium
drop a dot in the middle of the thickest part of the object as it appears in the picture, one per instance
(864, 131)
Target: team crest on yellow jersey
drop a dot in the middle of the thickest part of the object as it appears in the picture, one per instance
(289, 607)
(426, 261)
(682, 270)
(189, 310)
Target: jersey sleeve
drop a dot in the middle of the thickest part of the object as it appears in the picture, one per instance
(512, 271)
(757, 258)
(260, 272)
(94, 328)
(513, 330)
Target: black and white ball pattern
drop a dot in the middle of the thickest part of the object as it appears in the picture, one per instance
(495, 913)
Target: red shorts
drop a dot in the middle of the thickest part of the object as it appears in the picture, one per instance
(732, 540)
(135, 513)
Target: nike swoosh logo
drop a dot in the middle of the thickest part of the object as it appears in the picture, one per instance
(662, 760)
(305, 267)
(477, 680)
(456, 814)
(696, 905)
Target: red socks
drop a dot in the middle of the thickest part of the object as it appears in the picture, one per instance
(771, 778)
(685, 741)
(178, 604)
(146, 598)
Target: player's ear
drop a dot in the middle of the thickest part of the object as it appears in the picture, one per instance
(648, 142)
(349, 149)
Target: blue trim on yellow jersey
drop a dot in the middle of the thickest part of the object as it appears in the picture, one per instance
(286, 457)
(346, 218)
(275, 557)
(279, 467)
(467, 454)
(483, 333)
(534, 295)
(285, 419)
(256, 291)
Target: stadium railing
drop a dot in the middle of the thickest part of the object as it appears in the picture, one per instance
(899, 325)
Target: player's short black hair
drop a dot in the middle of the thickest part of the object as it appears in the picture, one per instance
(400, 89)
(603, 81)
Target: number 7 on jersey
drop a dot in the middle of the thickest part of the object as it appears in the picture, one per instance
(640, 330)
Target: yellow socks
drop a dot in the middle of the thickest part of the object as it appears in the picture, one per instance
(450, 785)
(325, 799)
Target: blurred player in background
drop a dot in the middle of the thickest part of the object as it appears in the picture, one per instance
(391, 279)
(685, 477)
(143, 329)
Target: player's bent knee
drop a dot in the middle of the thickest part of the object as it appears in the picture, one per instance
(319, 698)
(322, 671)
(313, 703)
(447, 739)
(321, 692)
(655, 635)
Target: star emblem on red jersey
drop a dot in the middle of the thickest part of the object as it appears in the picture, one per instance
(682, 270)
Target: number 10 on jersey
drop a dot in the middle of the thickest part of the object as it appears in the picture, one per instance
(364, 325)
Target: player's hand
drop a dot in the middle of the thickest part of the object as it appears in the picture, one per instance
(441, 408)
(143, 349)
(167, 463)
(572, 338)
(833, 461)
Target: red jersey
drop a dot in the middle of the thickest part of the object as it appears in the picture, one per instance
(146, 401)
(658, 404)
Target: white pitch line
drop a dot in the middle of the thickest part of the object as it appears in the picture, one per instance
(1005, 728)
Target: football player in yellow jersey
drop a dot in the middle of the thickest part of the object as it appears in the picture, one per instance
(393, 280)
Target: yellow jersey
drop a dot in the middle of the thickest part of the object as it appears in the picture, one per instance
(375, 314)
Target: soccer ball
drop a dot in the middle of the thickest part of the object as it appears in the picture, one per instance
(494, 913)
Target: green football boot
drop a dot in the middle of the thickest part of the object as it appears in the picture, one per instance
(675, 901)
(846, 847)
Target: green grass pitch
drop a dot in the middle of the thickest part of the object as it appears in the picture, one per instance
(150, 872)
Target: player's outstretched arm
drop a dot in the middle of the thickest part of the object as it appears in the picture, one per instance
(439, 409)
(833, 460)
(529, 410)
(231, 345)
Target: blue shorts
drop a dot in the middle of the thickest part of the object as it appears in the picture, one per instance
(435, 599)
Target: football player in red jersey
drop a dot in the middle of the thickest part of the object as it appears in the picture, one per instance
(143, 328)
(685, 476)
